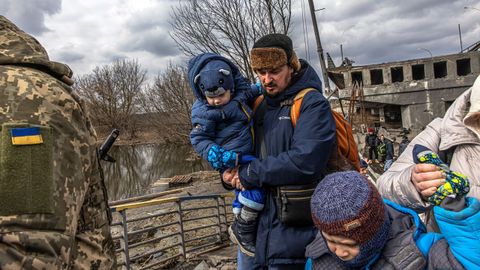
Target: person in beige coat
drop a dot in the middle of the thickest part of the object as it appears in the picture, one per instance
(458, 133)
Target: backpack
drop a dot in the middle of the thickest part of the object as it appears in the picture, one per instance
(382, 149)
(346, 145)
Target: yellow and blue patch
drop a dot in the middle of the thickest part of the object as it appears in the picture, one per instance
(26, 136)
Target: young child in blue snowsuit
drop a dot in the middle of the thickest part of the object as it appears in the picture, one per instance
(222, 133)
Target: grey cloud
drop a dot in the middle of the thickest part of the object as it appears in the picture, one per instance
(148, 31)
(70, 56)
(157, 42)
(146, 21)
(30, 15)
(114, 58)
(382, 31)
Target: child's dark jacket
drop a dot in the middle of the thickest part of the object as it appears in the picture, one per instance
(228, 126)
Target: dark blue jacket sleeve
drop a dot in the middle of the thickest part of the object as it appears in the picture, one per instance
(203, 130)
(247, 93)
(313, 140)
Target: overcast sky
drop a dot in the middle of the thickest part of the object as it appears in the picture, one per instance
(90, 33)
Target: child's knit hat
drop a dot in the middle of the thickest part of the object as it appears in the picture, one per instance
(346, 204)
(215, 78)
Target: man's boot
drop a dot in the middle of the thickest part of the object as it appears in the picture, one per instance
(243, 231)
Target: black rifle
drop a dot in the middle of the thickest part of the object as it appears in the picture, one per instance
(106, 145)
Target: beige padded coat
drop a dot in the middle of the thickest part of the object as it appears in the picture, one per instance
(439, 135)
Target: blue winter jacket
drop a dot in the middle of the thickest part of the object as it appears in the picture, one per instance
(228, 126)
(293, 156)
(462, 231)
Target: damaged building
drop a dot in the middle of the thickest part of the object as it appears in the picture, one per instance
(405, 94)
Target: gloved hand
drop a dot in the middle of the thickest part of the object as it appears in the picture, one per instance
(221, 159)
(215, 157)
(455, 183)
(229, 159)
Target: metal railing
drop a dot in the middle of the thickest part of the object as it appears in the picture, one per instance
(160, 232)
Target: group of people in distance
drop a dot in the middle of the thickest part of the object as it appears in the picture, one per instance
(267, 158)
(292, 210)
(379, 148)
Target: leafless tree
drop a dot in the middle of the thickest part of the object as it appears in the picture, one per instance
(169, 101)
(112, 93)
(228, 27)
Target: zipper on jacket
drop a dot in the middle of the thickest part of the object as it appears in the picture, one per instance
(284, 199)
(223, 114)
(298, 190)
(269, 230)
(297, 198)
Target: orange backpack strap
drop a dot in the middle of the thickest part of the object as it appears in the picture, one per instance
(297, 104)
(257, 103)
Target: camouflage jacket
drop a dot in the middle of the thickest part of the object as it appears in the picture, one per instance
(53, 201)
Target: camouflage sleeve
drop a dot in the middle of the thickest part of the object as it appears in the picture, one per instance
(94, 245)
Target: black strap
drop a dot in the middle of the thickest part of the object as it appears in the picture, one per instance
(259, 130)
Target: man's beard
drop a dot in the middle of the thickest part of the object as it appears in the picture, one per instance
(271, 84)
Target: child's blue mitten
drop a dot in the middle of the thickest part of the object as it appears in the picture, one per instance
(215, 154)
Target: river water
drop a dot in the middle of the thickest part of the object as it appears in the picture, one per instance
(138, 166)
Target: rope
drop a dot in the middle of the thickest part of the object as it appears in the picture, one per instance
(305, 32)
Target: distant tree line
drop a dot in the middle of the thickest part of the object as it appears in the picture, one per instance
(118, 93)
(118, 96)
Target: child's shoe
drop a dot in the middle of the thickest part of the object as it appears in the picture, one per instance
(244, 234)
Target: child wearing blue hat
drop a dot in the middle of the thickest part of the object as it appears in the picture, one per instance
(222, 133)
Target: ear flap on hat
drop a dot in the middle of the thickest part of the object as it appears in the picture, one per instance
(196, 79)
(294, 62)
(224, 71)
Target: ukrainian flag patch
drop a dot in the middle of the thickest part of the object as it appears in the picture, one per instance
(26, 136)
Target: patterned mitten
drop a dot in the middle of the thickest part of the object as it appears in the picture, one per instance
(455, 183)
(215, 154)
(229, 159)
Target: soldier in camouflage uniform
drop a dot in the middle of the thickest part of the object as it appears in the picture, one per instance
(53, 201)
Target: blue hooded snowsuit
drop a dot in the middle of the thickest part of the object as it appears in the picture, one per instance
(291, 156)
(228, 126)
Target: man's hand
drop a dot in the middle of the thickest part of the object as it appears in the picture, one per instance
(427, 178)
(236, 181)
(230, 177)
